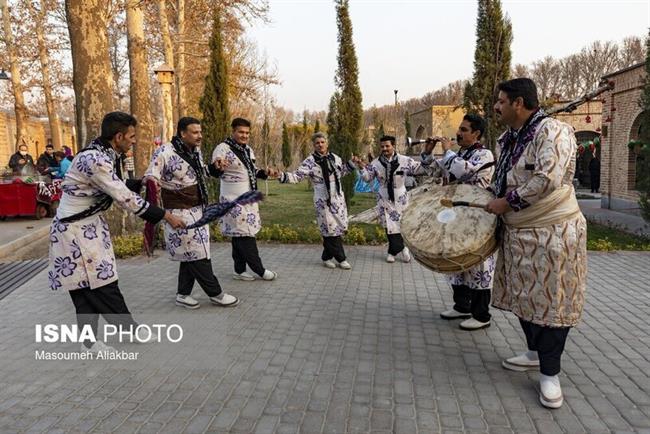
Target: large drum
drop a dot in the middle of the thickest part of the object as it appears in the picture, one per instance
(449, 240)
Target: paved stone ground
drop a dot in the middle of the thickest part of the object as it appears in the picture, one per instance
(332, 351)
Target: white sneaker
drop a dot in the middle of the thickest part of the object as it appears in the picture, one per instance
(97, 347)
(405, 255)
(225, 300)
(473, 324)
(454, 314)
(269, 275)
(243, 276)
(550, 392)
(527, 361)
(187, 301)
(390, 258)
(329, 264)
(345, 265)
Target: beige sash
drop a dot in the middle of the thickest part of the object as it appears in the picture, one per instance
(559, 206)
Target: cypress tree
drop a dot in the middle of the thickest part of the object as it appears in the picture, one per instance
(214, 102)
(317, 126)
(345, 125)
(304, 147)
(266, 146)
(286, 147)
(491, 64)
(643, 159)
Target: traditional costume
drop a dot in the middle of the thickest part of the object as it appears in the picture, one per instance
(472, 287)
(392, 197)
(242, 222)
(326, 172)
(541, 270)
(182, 176)
(81, 252)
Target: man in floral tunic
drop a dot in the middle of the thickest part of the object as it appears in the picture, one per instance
(179, 169)
(472, 287)
(236, 163)
(325, 170)
(81, 253)
(391, 170)
(541, 269)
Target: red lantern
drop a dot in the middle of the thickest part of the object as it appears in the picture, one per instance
(592, 147)
(581, 149)
(588, 119)
(598, 130)
(608, 119)
(613, 109)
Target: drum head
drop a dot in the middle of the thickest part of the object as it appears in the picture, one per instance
(449, 239)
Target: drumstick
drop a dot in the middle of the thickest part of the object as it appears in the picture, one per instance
(449, 203)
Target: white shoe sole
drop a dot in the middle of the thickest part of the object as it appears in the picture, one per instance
(482, 326)
(243, 278)
(553, 404)
(519, 368)
(188, 306)
(216, 303)
(331, 266)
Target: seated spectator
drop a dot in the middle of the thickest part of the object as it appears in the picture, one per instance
(20, 159)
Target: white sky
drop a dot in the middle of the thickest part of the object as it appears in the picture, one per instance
(419, 46)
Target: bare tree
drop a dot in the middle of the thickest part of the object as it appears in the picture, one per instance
(520, 71)
(631, 51)
(546, 75)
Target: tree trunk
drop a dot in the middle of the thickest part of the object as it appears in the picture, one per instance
(44, 58)
(139, 89)
(16, 82)
(180, 64)
(166, 37)
(92, 77)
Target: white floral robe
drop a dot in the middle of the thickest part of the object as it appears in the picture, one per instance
(241, 220)
(81, 252)
(174, 173)
(390, 213)
(463, 166)
(332, 220)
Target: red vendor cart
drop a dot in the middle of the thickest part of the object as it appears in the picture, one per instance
(37, 199)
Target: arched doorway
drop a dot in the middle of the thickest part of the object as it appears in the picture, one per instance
(634, 158)
(419, 134)
(585, 138)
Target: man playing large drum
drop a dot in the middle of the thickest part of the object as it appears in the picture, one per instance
(472, 287)
(542, 264)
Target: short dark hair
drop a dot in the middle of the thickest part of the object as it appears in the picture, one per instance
(60, 154)
(185, 122)
(390, 139)
(116, 122)
(240, 122)
(49, 145)
(476, 122)
(521, 87)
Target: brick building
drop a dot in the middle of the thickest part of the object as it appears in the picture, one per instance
(437, 120)
(621, 124)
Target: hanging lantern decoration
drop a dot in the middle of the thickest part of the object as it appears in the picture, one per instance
(598, 130)
(592, 146)
(581, 149)
(597, 142)
(588, 119)
(613, 109)
(608, 119)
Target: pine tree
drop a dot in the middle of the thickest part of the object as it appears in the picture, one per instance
(286, 147)
(345, 124)
(317, 126)
(407, 124)
(304, 147)
(643, 159)
(378, 135)
(491, 64)
(214, 102)
(266, 146)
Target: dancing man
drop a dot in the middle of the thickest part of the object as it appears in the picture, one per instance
(179, 169)
(235, 162)
(391, 170)
(326, 169)
(473, 165)
(81, 253)
(541, 270)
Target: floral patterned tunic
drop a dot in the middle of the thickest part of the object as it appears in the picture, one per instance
(463, 166)
(389, 212)
(332, 220)
(174, 173)
(81, 252)
(241, 220)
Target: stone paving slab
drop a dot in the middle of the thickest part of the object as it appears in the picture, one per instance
(332, 351)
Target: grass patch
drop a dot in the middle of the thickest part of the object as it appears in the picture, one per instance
(603, 238)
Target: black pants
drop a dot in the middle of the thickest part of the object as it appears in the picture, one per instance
(595, 183)
(549, 344)
(333, 248)
(200, 271)
(106, 300)
(244, 251)
(395, 243)
(472, 301)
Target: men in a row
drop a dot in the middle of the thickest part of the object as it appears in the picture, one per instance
(179, 169)
(235, 162)
(326, 169)
(542, 263)
(471, 165)
(81, 253)
(391, 170)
